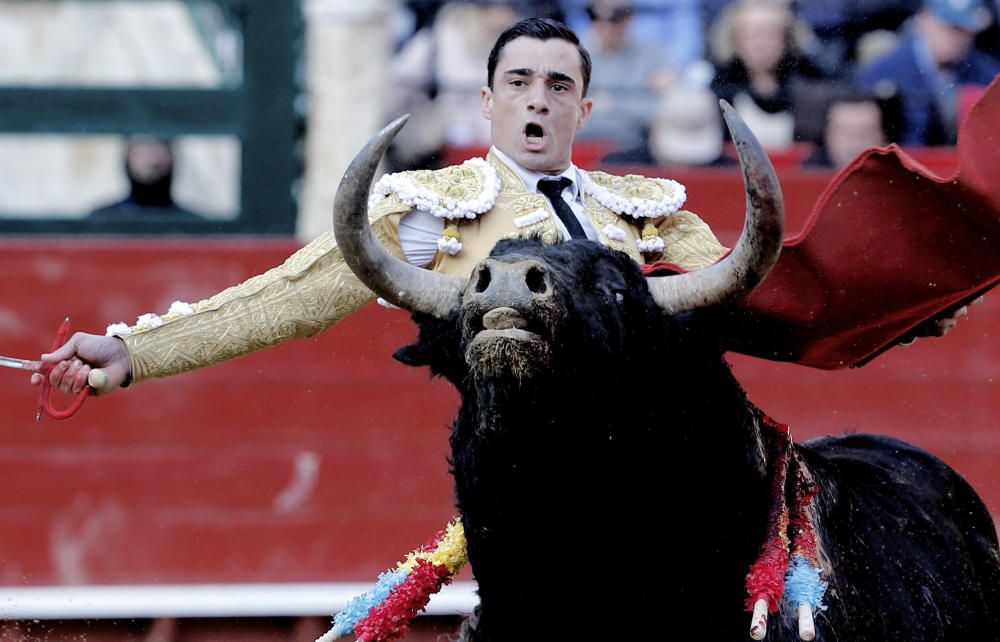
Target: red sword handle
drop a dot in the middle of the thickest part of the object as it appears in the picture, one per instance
(44, 398)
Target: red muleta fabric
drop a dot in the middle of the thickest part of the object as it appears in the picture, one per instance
(888, 246)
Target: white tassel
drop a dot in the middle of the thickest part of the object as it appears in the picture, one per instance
(449, 244)
(807, 629)
(758, 624)
(614, 232)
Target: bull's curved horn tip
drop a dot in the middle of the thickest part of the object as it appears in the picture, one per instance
(738, 128)
(394, 127)
(372, 152)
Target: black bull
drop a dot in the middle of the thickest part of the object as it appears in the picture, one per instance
(612, 476)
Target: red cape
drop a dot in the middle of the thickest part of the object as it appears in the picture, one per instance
(888, 246)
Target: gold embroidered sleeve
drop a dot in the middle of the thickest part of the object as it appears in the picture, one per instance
(308, 293)
(688, 241)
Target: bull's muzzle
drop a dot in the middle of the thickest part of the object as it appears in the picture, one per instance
(507, 306)
(520, 285)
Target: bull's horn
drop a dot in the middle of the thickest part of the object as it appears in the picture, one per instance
(396, 281)
(759, 244)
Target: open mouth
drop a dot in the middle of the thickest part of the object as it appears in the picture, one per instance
(534, 136)
(505, 323)
(507, 346)
(512, 334)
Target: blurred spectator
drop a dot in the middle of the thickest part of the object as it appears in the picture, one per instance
(543, 9)
(988, 40)
(874, 45)
(839, 24)
(711, 10)
(413, 15)
(759, 63)
(627, 79)
(674, 25)
(437, 76)
(931, 67)
(685, 131)
(423, 12)
(855, 120)
(149, 167)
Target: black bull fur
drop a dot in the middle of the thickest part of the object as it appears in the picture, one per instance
(612, 479)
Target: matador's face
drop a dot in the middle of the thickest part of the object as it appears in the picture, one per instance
(537, 103)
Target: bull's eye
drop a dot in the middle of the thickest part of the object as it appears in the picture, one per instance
(535, 280)
(484, 279)
(619, 297)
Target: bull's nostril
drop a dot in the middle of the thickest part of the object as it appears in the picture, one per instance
(484, 279)
(535, 280)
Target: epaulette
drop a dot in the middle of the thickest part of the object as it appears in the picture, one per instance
(458, 192)
(635, 196)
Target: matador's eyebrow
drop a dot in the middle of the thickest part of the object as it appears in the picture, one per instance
(555, 76)
(561, 77)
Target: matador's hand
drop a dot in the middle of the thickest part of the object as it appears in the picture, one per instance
(75, 359)
(939, 326)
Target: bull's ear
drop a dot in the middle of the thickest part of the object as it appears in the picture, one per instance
(414, 354)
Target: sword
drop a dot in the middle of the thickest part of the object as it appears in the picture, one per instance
(21, 364)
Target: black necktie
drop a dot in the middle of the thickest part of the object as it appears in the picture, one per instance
(553, 188)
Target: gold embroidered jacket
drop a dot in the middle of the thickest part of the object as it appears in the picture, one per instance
(314, 288)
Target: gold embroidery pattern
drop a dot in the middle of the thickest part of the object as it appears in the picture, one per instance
(689, 242)
(599, 214)
(601, 217)
(460, 182)
(550, 236)
(308, 293)
(524, 203)
(528, 204)
(297, 262)
(631, 186)
(509, 180)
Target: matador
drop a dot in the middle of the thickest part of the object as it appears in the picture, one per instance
(445, 220)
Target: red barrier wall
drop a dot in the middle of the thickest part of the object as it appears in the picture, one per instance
(324, 459)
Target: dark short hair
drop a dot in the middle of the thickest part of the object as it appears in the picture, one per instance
(540, 29)
(888, 104)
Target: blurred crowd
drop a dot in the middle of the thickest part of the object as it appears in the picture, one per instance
(817, 80)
